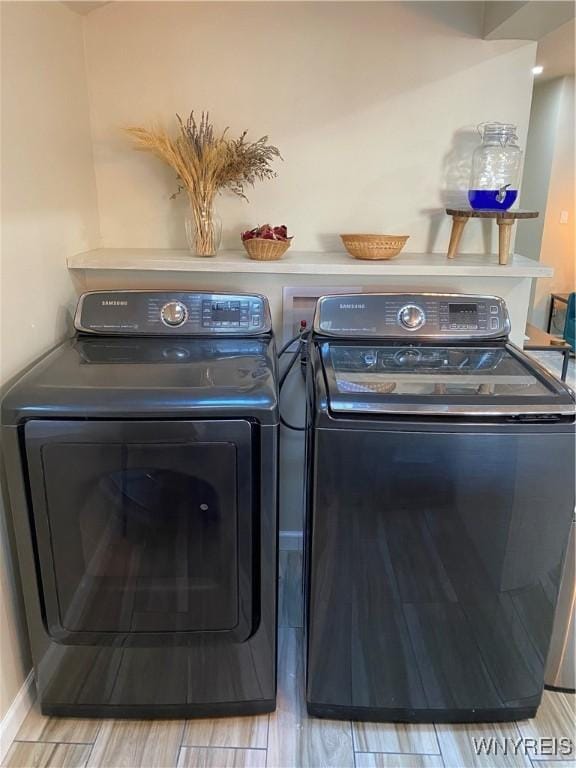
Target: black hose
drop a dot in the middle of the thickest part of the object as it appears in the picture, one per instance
(289, 367)
(284, 348)
(301, 334)
(283, 378)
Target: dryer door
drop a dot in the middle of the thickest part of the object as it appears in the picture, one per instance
(143, 529)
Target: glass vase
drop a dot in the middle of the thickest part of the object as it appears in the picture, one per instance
(203, 230)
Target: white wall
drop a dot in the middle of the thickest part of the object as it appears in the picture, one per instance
(549, 184)
(366, 101)
(48, 211)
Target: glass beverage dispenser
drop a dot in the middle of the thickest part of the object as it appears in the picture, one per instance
(495, 168)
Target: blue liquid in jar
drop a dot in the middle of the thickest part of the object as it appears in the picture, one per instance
(485, 199)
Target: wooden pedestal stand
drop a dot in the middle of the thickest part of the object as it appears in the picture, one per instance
(504, 219)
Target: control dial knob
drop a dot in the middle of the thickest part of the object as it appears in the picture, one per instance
(174, 313)
(411, 317)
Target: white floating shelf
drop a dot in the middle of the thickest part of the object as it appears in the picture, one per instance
(306, 263)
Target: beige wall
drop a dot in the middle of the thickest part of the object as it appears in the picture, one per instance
(557, 248)
(367, 102)
(540, 143)
(48, 211)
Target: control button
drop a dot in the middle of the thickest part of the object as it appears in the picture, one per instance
(493, 309)
(411, 317)
(173, 314)
(494, 323)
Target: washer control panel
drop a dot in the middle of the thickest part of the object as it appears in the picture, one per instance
(426, 315)
(156, 313)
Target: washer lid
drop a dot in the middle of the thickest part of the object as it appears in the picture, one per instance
(439, 379)
(98, 377)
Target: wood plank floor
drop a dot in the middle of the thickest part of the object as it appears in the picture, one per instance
(288, 738)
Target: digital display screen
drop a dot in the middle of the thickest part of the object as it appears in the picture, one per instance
(463, 311)
(225, 311)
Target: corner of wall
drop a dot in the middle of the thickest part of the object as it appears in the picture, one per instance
(45, 216)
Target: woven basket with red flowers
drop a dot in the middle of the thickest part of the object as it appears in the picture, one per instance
(266, 243)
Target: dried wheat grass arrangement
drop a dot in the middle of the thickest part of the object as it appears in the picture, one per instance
(207, 163)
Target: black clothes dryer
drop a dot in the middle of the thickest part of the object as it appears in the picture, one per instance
(142, 471)
(440, 497)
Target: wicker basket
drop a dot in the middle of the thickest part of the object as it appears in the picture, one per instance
(374, 246)
(262, 249)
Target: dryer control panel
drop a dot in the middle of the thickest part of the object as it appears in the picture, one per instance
(172, 313)
(409, 315)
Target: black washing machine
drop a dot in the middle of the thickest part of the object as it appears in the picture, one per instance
(440, 495)
(142, 470)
